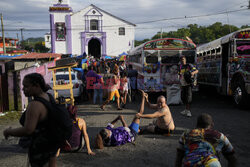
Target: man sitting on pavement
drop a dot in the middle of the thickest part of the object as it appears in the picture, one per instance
(200, 146)
(164, 124)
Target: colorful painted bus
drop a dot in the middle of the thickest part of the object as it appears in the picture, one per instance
(225, 64)
(158, 60)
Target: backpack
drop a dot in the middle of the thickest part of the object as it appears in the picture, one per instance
(60, 124)
(188, 78)
(187, 75)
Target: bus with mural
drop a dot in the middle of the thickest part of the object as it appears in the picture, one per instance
(225, 64)
(157, 62)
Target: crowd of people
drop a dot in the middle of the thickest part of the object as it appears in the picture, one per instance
(197, 147)
(111, 80)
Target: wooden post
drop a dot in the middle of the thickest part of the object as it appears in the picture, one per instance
(1, 97)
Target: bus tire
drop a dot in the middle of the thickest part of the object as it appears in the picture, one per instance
(239, 93)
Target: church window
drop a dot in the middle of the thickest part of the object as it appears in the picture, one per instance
(93, 24)
(122, 31)
(60, 32)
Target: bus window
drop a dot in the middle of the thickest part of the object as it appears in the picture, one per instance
(218, 51)
(170, 59)
(188, 53)
(152, 59)
(169, 53)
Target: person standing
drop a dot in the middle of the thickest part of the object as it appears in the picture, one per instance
(98, 87)
(186, 74)
(202, 145)
(91, 79)
(132, 75)
(124, 89)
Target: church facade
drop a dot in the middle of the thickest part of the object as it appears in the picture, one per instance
(91, 30)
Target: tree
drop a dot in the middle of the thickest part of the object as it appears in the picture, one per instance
(39, 47)
(199, 34)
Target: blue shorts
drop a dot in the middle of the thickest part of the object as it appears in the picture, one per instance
(134, 127)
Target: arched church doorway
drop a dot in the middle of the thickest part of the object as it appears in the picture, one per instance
(94, 48)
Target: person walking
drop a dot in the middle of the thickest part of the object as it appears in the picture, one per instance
(114, 85)
(42, 150)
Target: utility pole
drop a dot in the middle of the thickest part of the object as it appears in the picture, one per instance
(4, 49)
(228, 23)
(161, 33)
(21, 34)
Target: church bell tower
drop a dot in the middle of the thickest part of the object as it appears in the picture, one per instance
(60, 26)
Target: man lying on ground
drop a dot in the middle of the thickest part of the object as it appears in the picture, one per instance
(111, 136)
(164, 124)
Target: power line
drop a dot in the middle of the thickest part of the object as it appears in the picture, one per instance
(190, 17)
(138, 23)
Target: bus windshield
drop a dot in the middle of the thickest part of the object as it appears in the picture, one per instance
(243, 47)
(173, 56)
(151, 56)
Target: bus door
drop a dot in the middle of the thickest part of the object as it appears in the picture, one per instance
(224, 67)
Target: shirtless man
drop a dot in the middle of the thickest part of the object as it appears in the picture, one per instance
(164, 124)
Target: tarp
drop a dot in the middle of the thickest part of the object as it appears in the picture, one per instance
(108, 57)
(83, 56)
(78, 69)
(9, 57)
(84, 60)
(122, 54)
(122, 58)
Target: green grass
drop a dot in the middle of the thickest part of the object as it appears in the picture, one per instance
(10, 116)
(11, 103)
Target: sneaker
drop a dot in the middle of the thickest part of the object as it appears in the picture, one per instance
(184, 112)
(189, 113)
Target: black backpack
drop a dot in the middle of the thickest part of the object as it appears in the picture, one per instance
(188, 78)
(60, 123)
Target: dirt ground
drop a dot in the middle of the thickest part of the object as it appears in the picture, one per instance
(148, 150)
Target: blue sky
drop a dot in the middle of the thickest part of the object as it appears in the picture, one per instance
(33, 14)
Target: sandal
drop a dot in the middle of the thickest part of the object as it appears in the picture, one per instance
(119, 108)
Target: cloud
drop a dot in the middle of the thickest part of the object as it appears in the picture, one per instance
(146, 4)
(34, 13)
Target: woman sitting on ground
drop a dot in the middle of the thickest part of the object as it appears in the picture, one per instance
(79, 130)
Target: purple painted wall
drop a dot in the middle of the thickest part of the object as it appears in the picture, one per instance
(68, 34)
(53, 33)
(46, 74)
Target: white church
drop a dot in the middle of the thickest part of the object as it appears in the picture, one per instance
(91, 30)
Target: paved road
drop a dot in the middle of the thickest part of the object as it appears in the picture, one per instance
(148, 150)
